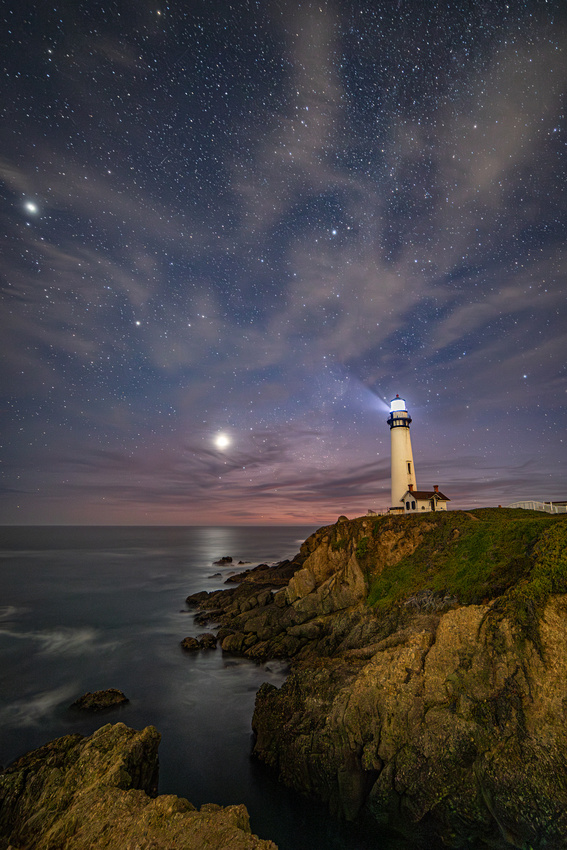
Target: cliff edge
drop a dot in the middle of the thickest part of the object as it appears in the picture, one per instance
(95, 792)
(428, 690)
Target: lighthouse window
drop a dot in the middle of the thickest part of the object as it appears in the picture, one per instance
(409, 468)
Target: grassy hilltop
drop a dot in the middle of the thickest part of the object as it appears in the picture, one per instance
(468, 556)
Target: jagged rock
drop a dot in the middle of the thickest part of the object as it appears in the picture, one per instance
(233, 642)
(100, 700)
(440, 712)
(204, 641)
(207, 640)
(197, 599)
(80, 793)
(263, 574)
(451, 723)
(226, 559)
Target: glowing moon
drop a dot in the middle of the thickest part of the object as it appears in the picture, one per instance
(222, 441)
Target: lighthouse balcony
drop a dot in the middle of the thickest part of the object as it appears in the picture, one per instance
(397, 420)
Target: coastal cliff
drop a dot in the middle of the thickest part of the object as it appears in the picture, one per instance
(428, 689)
(99, 792)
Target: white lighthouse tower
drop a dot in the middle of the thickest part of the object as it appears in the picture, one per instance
(402, 468)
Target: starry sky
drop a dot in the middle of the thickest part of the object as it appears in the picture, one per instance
(231, 232)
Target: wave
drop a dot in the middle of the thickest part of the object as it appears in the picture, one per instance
(11, 612)
(34, 710)
(64, 641)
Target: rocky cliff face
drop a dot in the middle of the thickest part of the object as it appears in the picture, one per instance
(94, 792)
(441, 708)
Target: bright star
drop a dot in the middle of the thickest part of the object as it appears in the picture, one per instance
(222, 441)
(31, 207)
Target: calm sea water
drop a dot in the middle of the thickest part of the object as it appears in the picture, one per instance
(82, 609)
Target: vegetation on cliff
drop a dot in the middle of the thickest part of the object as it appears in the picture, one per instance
(475, 557)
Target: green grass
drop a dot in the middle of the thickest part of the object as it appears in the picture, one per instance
(525, 600)
(361, 550)
(477, 557)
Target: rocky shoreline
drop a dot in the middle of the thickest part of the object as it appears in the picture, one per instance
(441, 714)
(427, 694)
(79, 793)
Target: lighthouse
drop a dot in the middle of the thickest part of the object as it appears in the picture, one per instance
(402, 468)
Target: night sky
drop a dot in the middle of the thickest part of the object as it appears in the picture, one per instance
(232, 232)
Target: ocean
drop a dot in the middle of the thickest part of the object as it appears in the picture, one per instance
(83, 609)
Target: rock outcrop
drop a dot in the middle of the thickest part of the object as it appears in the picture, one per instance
(101, 700)
(93, 793)
(204, 641)
(428, 689)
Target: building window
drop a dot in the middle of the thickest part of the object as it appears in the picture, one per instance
(409, 468)
(413, 506)
(407, 506)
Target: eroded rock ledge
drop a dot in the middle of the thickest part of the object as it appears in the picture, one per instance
(99, 792)
(442, 713)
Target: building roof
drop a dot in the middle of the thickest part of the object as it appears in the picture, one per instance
(422, 495)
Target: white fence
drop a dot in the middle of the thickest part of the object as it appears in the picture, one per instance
(548, 507)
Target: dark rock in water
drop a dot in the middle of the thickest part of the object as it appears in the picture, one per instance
(101, 700)
(276, 576)
(197, 598)
(207, 640)
(226, 559)
(93, 793)
(222, 633)
(204, 617)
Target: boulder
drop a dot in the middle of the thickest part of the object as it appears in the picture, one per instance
(190, 644)
(207, 640)
(100, 700)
